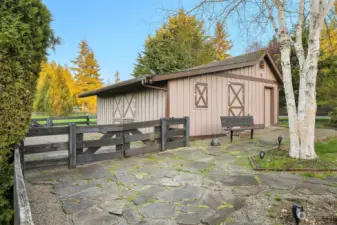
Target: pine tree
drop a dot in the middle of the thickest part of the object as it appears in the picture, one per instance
(117, 80)
(179, 44)
(223, 45)
(87, 76)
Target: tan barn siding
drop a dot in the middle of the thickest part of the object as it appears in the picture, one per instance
(207, 121)
(148, 105)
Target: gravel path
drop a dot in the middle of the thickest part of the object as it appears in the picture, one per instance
(46, 207)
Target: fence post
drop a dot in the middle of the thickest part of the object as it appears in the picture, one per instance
(79, 138)
(49, 122)
(163, 133)
(72, 146)
(88, 120)
(187, 131)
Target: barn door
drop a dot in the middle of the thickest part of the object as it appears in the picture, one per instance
(236, 98)
(129, 107)
(124, 108)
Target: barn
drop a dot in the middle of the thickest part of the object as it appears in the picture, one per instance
(243, 85)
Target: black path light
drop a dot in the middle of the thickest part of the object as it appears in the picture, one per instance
(279, 139)
(298, 213)
(261, 154)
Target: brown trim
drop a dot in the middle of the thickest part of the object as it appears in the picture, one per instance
(202, 97)
(274, 67)
(215, 69)
(194, 72)
(167, 110)
(272, 103)
(236, 97)
(237, 76)
(278, 104)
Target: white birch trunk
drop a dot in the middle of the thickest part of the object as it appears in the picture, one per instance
(290, 98)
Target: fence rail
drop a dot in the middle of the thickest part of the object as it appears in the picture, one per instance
(59, 121)
(22, 213)
(167, 134)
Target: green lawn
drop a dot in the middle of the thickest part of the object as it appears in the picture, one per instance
(91, 120)
(326, 152)
(321, 121)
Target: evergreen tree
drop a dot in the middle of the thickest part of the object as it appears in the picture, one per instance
(117, 80)
(222, 44)
(25, 35)
(87, 76)
(179, 44)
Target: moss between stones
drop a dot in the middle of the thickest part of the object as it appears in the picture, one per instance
(225, 205)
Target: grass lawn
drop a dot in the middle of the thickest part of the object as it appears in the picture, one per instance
(326, 152)
(92, 120)
(321, 122)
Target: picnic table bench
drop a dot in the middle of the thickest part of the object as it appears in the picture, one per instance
(237, 124)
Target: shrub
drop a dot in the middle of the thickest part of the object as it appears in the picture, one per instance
(25, 35)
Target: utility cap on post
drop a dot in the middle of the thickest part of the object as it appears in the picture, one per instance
(215, 142)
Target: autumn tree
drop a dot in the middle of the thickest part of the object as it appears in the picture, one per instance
(222, 44)
(87, 77)
(279, 14)
(53, 93)
(179, 44)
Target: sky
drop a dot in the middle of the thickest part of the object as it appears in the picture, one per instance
(116, 30)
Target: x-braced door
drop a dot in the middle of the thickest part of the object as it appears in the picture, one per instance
(236, 96)
(124, 108)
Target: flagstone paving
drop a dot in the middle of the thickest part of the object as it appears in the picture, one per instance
(196, 185)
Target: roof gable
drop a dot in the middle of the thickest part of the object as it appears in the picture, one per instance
(249, 59)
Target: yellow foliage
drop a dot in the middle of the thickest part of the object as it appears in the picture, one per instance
(329, 40)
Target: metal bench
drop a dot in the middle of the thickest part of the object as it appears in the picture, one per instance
(237, 124)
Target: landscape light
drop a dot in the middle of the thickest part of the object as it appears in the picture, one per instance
(298, 213)
(262, 154)
(279, 139)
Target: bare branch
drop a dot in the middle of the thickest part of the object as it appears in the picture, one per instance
(328, 7)
(270, 16)
(299, 30)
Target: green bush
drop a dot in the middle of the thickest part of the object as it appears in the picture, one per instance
(333, 117)
(25, 36)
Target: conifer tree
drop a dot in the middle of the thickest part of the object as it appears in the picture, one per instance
(179, 44)
(117, 79)
(87, 76)
(222, 44)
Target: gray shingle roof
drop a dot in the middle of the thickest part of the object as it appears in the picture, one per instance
(249, 57)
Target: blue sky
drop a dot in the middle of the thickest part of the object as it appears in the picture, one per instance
(115, 30)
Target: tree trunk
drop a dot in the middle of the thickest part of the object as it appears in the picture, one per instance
(290, 98)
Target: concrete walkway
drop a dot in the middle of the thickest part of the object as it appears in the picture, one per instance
(196, 185)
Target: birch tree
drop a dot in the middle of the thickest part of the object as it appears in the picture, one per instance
(282, 16)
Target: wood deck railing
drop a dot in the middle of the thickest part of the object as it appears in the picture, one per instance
(167, 134)
(22, 213)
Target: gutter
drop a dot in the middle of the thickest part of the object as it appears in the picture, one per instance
(149, 80)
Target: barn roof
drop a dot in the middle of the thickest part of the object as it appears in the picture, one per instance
(248, 59)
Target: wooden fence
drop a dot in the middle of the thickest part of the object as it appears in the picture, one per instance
(22, 213)
(59, 121)
(165, 135)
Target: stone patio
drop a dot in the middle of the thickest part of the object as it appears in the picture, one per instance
(195, 185)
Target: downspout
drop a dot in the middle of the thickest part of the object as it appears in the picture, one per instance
(167, 106)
